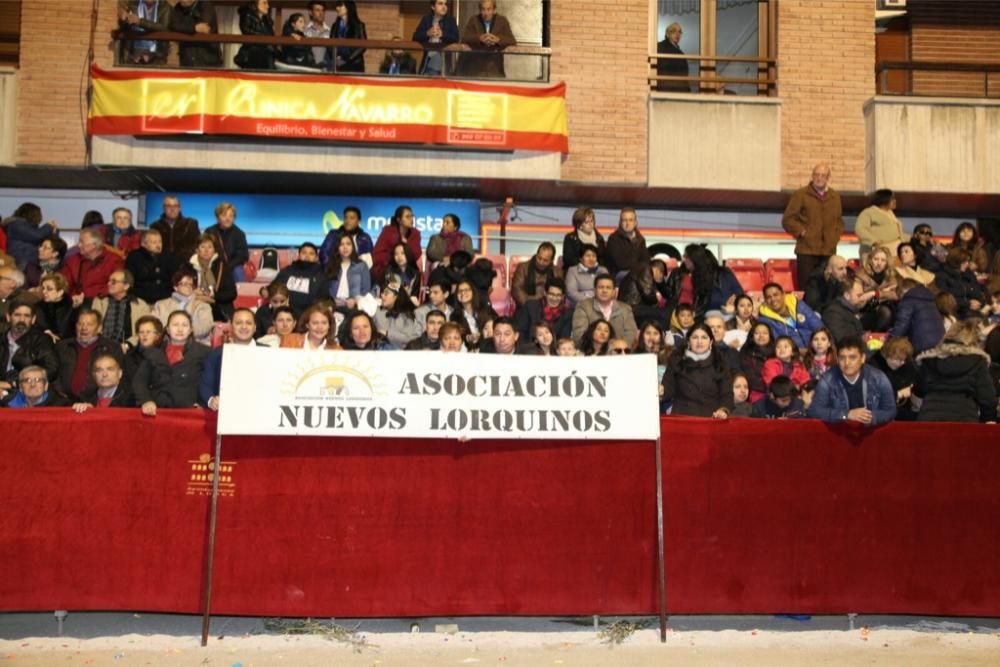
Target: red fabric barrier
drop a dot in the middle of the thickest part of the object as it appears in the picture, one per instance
(382, 527)
(811, 518)
(107, 511)
(97, 512)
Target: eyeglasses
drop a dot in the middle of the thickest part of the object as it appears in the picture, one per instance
(554, 295)
(619, 350)
(465, 290)
(112, 281)
(184, 283)
(32, 381)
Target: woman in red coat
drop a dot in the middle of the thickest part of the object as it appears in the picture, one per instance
(399, 230)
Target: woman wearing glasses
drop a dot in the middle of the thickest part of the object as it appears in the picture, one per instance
(183, 298)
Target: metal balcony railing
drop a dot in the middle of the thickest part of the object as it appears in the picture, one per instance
(937, 79)
(531, 72)
(709, 80)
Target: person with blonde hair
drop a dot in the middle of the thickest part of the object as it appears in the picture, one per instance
(953, 383)
(878, 279)
(231, 241)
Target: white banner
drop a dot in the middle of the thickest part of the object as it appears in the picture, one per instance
(267, 391)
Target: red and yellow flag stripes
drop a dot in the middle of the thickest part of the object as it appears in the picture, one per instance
(333, 108)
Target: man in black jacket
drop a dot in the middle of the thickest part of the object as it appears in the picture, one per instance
(179, 234)
(841, 315)
(22, 346)
(672, 66)
(196, 17)
(151, 268)
(111, 389)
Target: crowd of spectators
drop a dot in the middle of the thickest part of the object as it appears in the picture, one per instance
(483, 38)
(128, 317)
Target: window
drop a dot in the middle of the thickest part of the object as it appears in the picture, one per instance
(729, 44)
(10, 32)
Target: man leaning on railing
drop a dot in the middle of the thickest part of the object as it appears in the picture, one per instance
(144, 16)
(490, 32)
(196, 17)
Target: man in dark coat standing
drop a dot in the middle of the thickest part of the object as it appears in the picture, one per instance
(487, 33)
(672, 66)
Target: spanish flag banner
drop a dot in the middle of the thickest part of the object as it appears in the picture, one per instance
(330, 108)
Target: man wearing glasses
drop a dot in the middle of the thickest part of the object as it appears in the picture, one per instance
(619, 346)
(553, 308)
(34, 392)
(120, 310)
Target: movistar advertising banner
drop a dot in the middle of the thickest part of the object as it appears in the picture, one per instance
(288, 220)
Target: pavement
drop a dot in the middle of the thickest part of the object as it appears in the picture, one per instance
(91, 625)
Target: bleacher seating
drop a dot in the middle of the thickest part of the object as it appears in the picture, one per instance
(247, 295)
(749, 272)
(219, 333)
(500, 265)
(781, 271)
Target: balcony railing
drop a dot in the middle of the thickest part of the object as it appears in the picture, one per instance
(708, 79)
(938, 79)
(534, 68)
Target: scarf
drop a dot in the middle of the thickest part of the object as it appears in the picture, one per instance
(114, 320)
(550, 314)
(174, 353)
(144, 13)
(454, 241)
(204, 274)
(587, 238)
(184, 301)
(531, 279)
(49, 267)
(696, 356)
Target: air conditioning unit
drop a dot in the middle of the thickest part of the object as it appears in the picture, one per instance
(894, 4)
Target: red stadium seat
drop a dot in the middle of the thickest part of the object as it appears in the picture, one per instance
(248, 295)
(750, 272)
(219, 333)
(781, 271)
(502, 301)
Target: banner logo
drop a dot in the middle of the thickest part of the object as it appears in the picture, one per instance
(203, 474)
(334, 382)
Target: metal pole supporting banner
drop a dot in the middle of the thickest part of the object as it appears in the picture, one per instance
(210, 555)
(660, 560)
